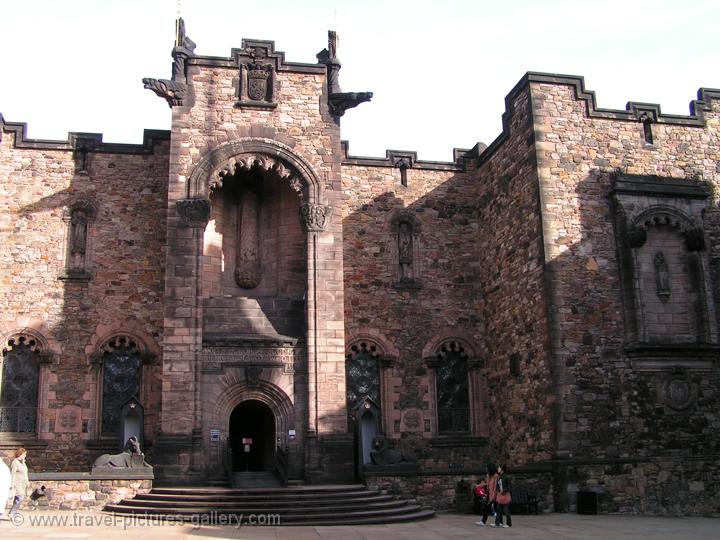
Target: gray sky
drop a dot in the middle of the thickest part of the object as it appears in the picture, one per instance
(439, 70)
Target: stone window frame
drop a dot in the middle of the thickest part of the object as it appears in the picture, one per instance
(643, 201)
(477, 427)
(44, 358)
(97, 360)
(385, 363)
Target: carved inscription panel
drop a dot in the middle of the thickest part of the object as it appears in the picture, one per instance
(218, 358)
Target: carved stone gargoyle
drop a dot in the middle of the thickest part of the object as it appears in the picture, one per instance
(173, 92)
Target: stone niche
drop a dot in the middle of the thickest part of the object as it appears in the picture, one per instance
(665, 272)
(254, 262)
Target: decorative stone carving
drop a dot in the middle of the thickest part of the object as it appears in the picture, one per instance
(184, 49)
(215, 358)
(404, 244)
(173, 92)
(411, 420)
(252, 374)
(131, 457)
(636, 238)
(338, 101)
(383, 456)
(662, 278)
(678, 392)
(315, 217)
(194, 212)
(329, 58)
(257, 80)
(246, 162)
(68, 420)
(342, 101)
(403, 163)
(79, 216)
(248, 270)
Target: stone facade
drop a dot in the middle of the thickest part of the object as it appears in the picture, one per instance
(547, 301)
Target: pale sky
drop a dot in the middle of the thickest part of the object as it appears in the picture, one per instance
(440, 70)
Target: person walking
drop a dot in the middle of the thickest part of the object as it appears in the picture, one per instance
(4, 486)
(503, 499)
(19, 479)
(491, 489)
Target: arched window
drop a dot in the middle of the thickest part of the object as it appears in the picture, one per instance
(453, 396)
(19, 389)
(121, 380)
(362, 372)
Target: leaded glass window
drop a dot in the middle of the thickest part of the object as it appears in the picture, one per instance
(362, 370)
(453, 397)
(19, 390)
(121, 381)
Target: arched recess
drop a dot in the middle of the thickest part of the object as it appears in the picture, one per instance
(669, 293)
(243, 154)
(239, 391)
(32, 335)
(131, 336)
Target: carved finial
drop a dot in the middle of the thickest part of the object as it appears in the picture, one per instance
(333, 41)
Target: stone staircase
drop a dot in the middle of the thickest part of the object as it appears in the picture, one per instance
(296, 505)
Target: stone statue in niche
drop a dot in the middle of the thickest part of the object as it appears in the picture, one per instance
(405, 250)
(662, 277)
(79, 232)
(247, 268)
(78, 241)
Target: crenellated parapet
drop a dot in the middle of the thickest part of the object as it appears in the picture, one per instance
(81, 141)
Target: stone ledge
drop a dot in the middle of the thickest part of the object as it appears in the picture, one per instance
(89, 477)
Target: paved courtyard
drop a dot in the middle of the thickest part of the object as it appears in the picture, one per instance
(49, 525)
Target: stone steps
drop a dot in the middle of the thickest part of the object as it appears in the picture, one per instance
(253, 479)
(300, 505)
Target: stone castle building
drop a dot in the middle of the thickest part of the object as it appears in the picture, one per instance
(548, 301)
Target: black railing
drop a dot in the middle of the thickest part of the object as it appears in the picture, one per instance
(18, 419)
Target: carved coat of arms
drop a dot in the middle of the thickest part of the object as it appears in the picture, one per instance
(258, 76)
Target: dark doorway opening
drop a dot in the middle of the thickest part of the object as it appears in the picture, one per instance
(252, 437)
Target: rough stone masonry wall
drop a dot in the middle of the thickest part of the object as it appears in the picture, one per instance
(406, 322)
(123, 295)
(512, 299)
(612, 411)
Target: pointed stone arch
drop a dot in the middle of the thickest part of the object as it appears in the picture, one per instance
(243, 154)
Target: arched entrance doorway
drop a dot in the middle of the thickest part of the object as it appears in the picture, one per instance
(252, 437)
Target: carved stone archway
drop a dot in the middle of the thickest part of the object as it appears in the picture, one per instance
(243, 154)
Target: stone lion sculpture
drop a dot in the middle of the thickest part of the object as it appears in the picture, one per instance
(383, 456)
(130, 457)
